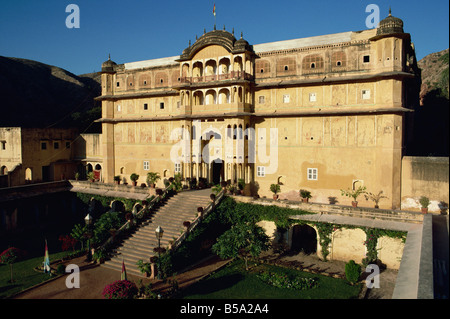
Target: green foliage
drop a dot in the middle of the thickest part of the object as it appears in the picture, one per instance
(288, 282)
(90, 176)
(354, 193)
(325, 230)
(134, 177)
(305, 193)
(153, 178)
(275, 188)
(61, 269)
(144, 268)
(424, 202)
(105, 201)
(374, 197)
(107, 222)
(243, 240)
(352, 272)
(241, 183)
(79, 233)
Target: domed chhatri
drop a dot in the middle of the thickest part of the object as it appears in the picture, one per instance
(108, 65)
(390, 25)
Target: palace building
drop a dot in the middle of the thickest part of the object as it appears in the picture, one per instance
(323, 113)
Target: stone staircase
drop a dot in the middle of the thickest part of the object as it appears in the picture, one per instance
(170, 216)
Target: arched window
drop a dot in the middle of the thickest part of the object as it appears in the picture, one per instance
(28, 174)
(234, 131)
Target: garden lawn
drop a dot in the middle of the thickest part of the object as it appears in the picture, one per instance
(234, 282)
(24, 274)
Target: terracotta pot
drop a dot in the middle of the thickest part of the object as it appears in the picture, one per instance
(424, 210)
(134, 183)
(354, 204)
(275, 197)
(305, 200)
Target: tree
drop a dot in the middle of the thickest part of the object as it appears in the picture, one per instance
(79, 233)
(10, 256)
(242, 240)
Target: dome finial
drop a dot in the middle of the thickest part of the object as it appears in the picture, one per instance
(390, 12)
(109, 56)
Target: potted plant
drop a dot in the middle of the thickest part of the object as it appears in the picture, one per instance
(375, 197)
(275, 189)
(187, 224)
(91, 177)
(305, 195)
(424, 202)
(241, 184)
(134, 177)
(200, 212)
(152, 178)
(354, 194)
(117, 179)
(77, 176)
(145, 268)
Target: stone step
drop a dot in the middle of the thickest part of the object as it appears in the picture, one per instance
(170, 215)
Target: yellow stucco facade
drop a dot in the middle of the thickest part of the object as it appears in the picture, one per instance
(323, 113)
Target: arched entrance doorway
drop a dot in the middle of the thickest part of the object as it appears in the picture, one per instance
(304, 238)
(217, 171)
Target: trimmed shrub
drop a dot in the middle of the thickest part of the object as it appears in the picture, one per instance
(352, 272)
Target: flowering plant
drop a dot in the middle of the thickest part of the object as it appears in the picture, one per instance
(10, 255)
(67, 242)
(120, 289)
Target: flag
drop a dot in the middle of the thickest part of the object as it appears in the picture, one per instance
(46, 259)
(123, 275)
(214, 9)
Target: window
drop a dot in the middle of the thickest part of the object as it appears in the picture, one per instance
(43, 145)
(286, 98)
(365, 94)
(56, 145)
(3, 145)
(178, 104)
(313, 65)
(312, 174)
(366, 59)
(145, 106)
(67, 144)
(118, 108)
(145, 82)
(286, 68)
(177, 168)
(146, 165)
(312, 97)
(262, 99)
(338, 63)
(261, 171)
(161, 106)
(117, 84)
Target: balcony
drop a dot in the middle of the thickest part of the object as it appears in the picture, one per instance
(234, 75)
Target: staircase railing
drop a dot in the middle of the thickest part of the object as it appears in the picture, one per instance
(198, 220)
(140, 216)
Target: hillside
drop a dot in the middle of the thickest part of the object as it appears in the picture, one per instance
(431, 119)
(40, 95)
(435, 73)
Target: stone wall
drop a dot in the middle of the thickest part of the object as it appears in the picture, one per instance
(425, 176)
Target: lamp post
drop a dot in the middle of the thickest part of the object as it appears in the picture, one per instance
(159, 234)
(88, 221)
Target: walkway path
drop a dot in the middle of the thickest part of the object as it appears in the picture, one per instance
(93, 279)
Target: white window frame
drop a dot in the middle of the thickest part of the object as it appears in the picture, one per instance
(286, 98)
(312, 174)
(146, 165)
(261, 171)
(312, 97)
(365, 94)
(177, 169)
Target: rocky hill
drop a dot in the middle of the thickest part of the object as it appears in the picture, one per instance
(431, 119)
(35, 94)
(435, 73)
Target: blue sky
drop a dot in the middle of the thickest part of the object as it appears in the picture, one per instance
(136, 30)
